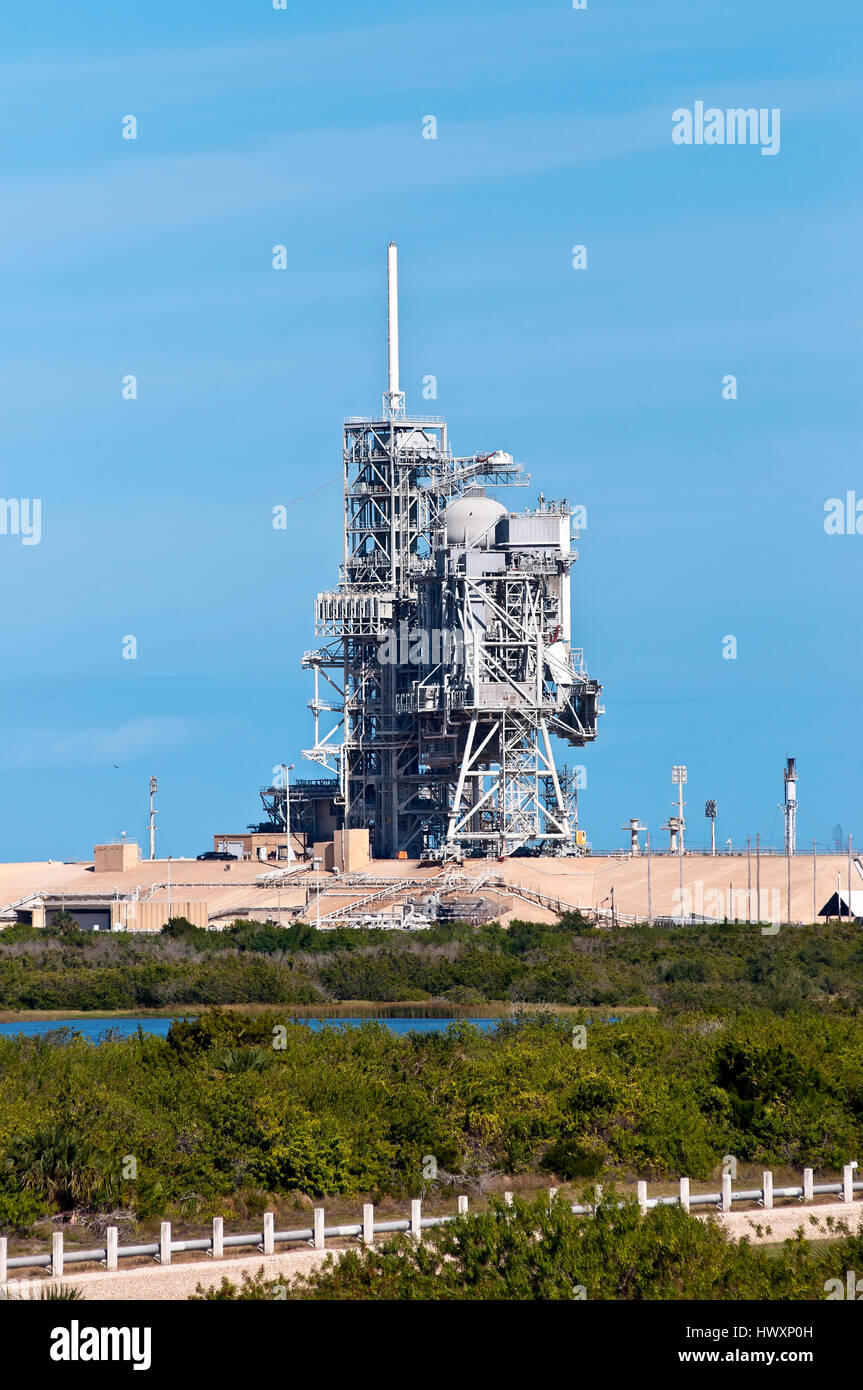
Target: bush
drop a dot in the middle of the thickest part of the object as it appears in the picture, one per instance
(540, 1250)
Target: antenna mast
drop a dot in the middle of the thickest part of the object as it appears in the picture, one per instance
(790, 807)
(394, 400)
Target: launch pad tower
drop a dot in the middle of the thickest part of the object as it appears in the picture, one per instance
(445, 664)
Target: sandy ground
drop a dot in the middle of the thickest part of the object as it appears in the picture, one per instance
(764, 1227)
(180, 1280)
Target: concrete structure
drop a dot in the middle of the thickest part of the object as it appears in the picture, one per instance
(262, 846)
(116, 858)
(838, 904)
(447, 665)
(715, 888)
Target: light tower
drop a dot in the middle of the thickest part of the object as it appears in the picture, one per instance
(790, 807)
(676, 825)
(151, 825)
(710, 813)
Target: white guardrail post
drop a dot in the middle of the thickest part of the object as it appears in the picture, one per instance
(462, 1206)
(319, 1228)
(642, 1198)
(4, 1246)
(165, 1243)
(368, 1223)
(269, 1245)
(848, 1182)
(57, 1255)
(807, 1184)
(767, 1190)
(684, 1193)
(111, 1236)
(218, 1248)
(416, 1219)
(726, 1192)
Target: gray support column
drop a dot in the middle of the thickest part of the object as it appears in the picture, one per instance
(767, 1190)
(319, 1228)
(368, 1223)
(684, 1193)
(218, 1250)
(111, 1236)
(57, 1255)
(807, 1184)
(165, 1243)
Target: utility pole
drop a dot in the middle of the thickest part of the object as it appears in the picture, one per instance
(287, 768)
(814, 885)
(680, 863)
(649, 899)
(678, 777)
(154, 787)
(317, 864)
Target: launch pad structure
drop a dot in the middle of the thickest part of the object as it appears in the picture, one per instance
(445, 666)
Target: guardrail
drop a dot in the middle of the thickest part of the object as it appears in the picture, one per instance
(217, 1243)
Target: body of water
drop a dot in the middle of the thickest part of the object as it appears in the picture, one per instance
(94, 1029)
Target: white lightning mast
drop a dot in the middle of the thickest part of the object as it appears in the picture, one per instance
(394, 400)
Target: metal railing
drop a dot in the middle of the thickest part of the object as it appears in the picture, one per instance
(316, 1236)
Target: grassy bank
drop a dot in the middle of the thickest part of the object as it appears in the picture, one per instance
(352, 1008)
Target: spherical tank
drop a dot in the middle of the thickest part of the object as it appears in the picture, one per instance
(472, 520)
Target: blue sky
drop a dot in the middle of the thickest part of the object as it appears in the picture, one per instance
(304, 128)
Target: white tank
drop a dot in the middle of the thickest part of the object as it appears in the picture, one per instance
(472, 520)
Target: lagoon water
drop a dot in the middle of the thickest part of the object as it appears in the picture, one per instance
(94, 1029)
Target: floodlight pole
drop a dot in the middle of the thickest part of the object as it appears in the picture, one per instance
(317, 864)
(154, 787)
(287, 769)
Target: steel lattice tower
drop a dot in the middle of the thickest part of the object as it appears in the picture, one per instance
(446, 662)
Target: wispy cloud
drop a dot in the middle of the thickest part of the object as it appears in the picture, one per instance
(99, 747)
(121, 202)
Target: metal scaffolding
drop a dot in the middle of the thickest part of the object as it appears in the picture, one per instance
(446, 667)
